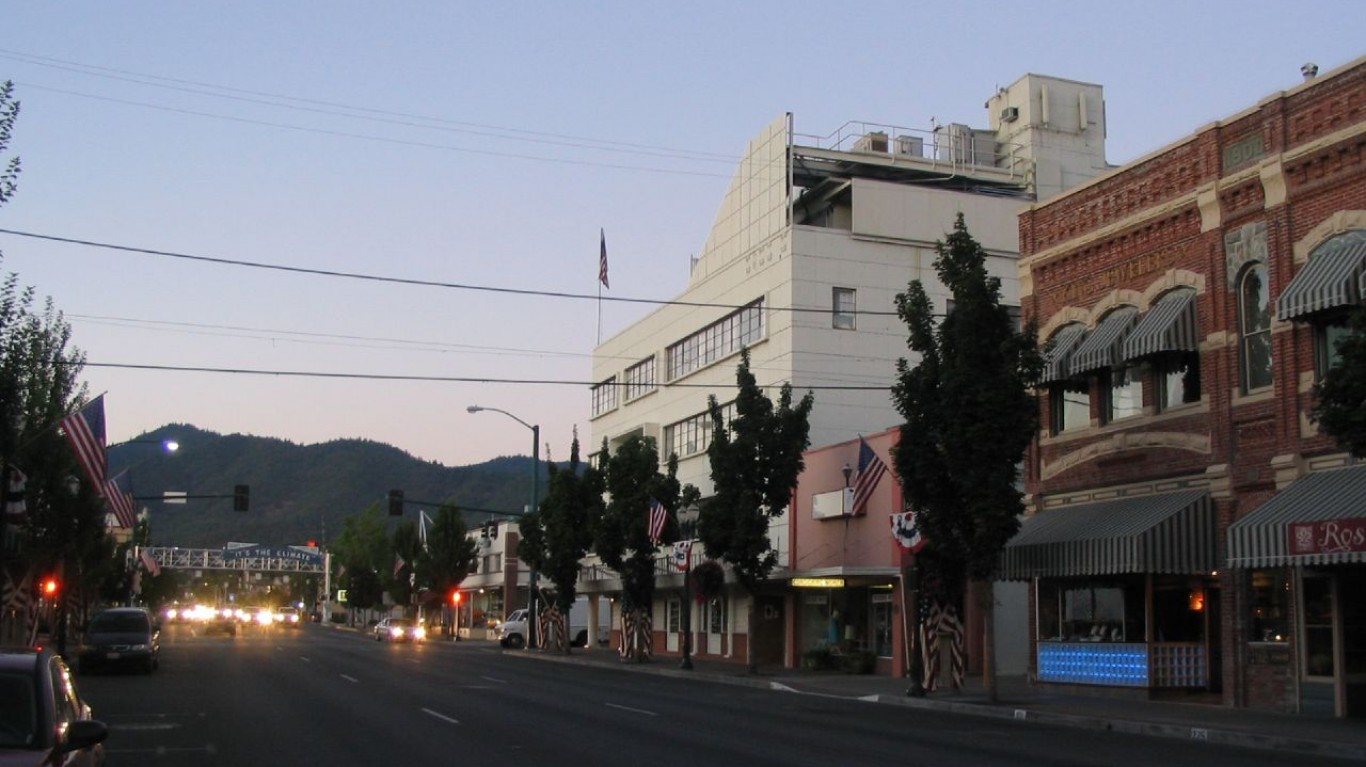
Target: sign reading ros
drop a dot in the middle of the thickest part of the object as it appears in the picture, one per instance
(1334, 536)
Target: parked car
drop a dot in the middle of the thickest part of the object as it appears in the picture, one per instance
(399, 630)
(43, 720)
(512, 632)
(121, 637)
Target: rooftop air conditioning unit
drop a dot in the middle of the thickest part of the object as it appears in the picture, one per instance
(1010, 114)
(911, 146)
(871, 142)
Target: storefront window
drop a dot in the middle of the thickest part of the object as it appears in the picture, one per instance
(1318, 625)
(1091, 611)
(1178, 609)
(882, 625)
(1270, 606)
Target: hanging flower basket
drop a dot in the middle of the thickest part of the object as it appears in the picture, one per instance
(708, 581)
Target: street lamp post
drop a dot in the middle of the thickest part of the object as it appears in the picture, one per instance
(687, 531)
(535, 492)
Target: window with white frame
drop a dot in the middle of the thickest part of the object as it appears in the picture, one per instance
(1254, 327)
(743, 327)
(692, 435)
(843, 307)
(639, 379)
(605, 396)
(1123, 393)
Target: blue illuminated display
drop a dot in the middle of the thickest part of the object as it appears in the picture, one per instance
(1115, 664)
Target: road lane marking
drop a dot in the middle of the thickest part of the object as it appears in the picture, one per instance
(305, 659)
(632, 710)
(494, 679)
(442, 717)
(351, 679)
(145, 727)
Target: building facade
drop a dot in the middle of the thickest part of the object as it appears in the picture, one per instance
(1190, 527)
(815, 238)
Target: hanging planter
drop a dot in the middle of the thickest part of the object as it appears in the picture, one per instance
(708, 581)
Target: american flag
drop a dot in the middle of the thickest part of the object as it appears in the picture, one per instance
(149, 562)
(658, 518)
(120, 499)
(870, 470)
(398, 564)
(85, 430)
(602, 260)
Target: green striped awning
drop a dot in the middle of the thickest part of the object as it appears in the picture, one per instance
(1332, 278)
(1059, 351)
(1169, 533)
(1262, 538)
(1169, 326)
(1102, 346)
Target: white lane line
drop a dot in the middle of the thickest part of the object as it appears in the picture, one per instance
(442, 717)
(350, 678)
(632, 710)
(494, 679)
(305, 659)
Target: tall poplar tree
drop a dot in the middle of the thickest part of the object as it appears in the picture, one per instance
(755, 460)
(969, 417)
(556, 536)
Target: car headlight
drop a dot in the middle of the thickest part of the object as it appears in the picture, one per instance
(419, 633)
(396, 632)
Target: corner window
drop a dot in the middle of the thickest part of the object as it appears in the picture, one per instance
(1069, 405)
(843, 309)
(605, 396)
(1254, 328)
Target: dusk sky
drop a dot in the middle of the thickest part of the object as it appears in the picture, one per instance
(486, 145)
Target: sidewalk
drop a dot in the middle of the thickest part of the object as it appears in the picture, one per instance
(1017, 699)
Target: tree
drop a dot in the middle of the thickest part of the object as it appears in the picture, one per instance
(755, 460)
(969, 416)
(362, 548)
(450, 555)
(402, 577)
(1340, 406)
(622, 535)
(557, 535)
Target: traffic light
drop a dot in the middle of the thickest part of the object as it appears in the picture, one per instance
(455, 598)
(50, 587)
(395, 503)
(241, 497)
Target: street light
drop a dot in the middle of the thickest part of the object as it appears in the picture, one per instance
(535, 491)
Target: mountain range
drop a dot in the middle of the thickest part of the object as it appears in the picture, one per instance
(298, 493)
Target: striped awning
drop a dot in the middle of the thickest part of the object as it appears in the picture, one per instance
(1332, 278)
(1170, 326)
(1059, 351)
(1170, 533)
(1101, 349)
(1263, 537)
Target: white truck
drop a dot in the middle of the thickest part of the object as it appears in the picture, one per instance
(512, 632)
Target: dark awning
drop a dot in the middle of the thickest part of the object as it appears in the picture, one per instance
(1263, 537)
(1101, 348)
(1332, 278)
(1055, 359)
(1169, 326)
(1171, 533)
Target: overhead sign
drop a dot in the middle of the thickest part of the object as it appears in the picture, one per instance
(174, 496)
(289, 553)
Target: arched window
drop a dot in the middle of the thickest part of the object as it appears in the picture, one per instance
(1254, 327)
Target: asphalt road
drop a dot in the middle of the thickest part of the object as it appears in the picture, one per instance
(317, 695)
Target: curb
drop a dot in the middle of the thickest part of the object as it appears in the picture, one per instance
(1002, 712)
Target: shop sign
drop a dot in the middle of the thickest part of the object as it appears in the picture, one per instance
(817, 583)
(1332, 536)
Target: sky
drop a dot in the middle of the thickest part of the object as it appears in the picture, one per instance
(241, 156)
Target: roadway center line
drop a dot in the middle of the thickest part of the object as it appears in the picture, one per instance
(350, 678)
(632, 710)
(442, 717)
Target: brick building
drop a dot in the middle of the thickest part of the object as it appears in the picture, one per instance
(1190, 528)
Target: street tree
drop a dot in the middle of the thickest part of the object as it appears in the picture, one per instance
(362, 549)
(969, 416)
(622, 535)
(755, 460)
(1340, 402)
(557, 535)
(450, 555)
(402, 576)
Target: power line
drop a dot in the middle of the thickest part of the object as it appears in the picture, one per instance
(442, 379)
(416, 282)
